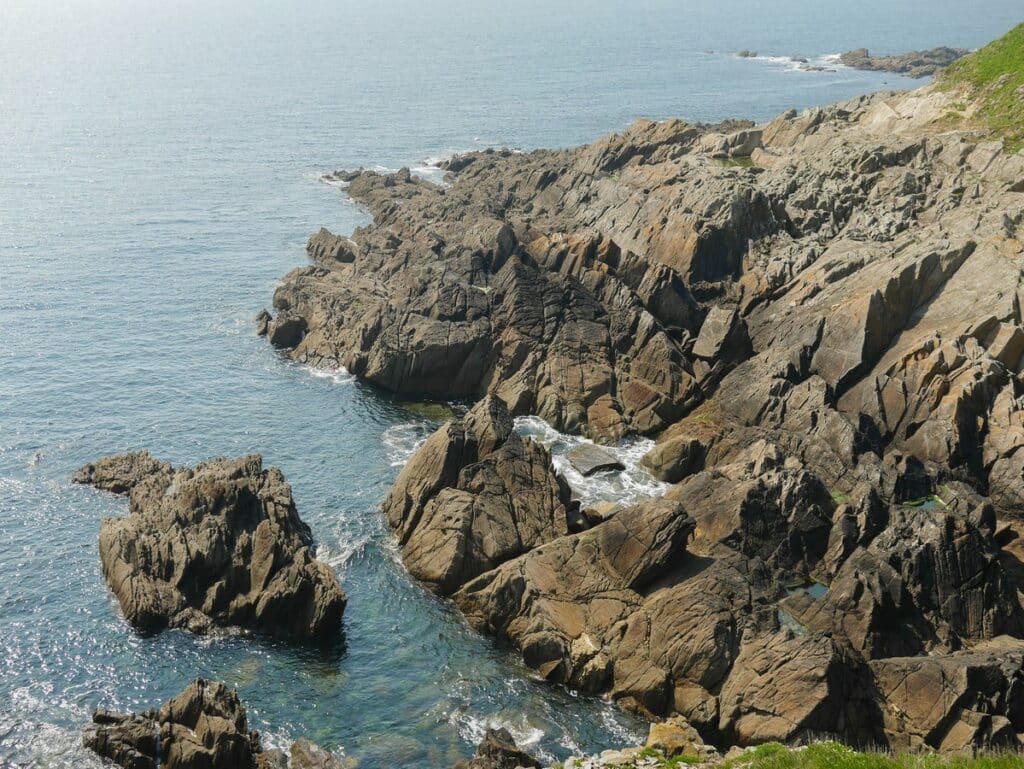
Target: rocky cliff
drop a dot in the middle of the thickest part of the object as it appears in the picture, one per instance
(819, 318)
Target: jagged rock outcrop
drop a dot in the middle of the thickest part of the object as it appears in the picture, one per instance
(914, 64)
(217, 545)
(498, 750)
(204, 727)
(474, 495)
(819, 318)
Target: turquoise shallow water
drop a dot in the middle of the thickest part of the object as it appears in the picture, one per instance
(158, 174)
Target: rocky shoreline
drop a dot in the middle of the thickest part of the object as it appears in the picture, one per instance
(818, 318)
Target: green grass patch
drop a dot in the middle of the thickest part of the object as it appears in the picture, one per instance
(993, 78)
(831, 755)
(839, 497)
(435, 412)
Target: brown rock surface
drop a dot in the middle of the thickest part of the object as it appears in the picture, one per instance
(217, 545)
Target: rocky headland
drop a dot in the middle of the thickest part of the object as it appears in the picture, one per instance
(913, 64)
(218, 545)
(817, 318)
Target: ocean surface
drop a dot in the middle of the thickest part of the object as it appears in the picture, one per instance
(159, 171)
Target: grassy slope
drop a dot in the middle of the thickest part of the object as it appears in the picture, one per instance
(991, 77)
(829, 755)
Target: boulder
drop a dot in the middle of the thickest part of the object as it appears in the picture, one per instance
(204, 727)
(217, 545)
(722, 335)
(589, 459)
(675, 737)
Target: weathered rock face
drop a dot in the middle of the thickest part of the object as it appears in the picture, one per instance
(826, 338)
(930, 580)
(784, 688)
(473, 496)
(204, 727)
(914, 64)
(217, 545)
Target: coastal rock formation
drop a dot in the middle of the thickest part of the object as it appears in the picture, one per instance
(818, 318)
(474, 495)
(217, 545)
(204, 727)
(913, 64)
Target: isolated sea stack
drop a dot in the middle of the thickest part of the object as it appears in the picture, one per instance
(218, 545)
(818, 319)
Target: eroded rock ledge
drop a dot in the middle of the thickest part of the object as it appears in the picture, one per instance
(220, 544)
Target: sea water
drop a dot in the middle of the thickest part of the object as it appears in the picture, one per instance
(160, 170)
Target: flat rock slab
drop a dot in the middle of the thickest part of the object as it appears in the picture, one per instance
(589, 459)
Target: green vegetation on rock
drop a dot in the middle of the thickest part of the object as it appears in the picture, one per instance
(831, 755)
(993, 78)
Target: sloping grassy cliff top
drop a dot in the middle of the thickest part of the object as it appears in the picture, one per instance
(830, 755)
(993, 79)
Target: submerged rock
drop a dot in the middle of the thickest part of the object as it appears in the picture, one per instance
(217, 545)
(204, 727)
(590, 459)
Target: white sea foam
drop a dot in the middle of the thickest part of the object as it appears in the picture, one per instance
(338, 375)
(338, 555)
(813, 64)
(624, 486)
(402, 440)
(472, 728)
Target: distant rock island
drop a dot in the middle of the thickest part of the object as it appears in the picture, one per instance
(913, 64)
